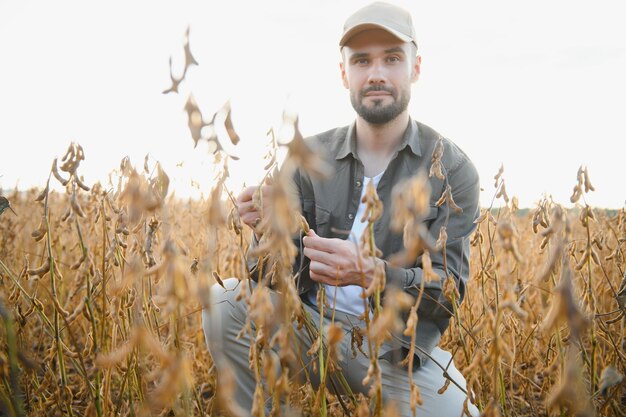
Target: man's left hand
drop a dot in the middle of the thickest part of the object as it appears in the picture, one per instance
(336, 261)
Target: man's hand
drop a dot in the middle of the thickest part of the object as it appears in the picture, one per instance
(336, 262)
(249, 210)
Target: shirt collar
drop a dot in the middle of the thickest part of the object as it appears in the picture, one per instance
(410, 139)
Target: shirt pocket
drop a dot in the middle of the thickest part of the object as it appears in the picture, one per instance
(322, 221)
(318, 218)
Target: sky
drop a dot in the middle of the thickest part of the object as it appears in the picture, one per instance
(537, 86)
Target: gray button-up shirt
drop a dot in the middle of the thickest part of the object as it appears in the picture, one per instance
(330, 206)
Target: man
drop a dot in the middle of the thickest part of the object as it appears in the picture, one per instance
(383, 146)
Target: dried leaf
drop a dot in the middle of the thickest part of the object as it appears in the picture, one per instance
(189, 59)
(4, 205)
(42, 195)
(161, 182)
(587, 182)
(498, 175)
(218, 279)
(565, 307)
(194, 119)
(175, 81)
(436, 167)
(56, 174)
(300, 154)
(228, 124)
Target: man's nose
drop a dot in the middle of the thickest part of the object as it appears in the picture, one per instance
(377, 74)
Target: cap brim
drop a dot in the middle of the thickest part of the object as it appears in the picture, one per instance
(369, 26)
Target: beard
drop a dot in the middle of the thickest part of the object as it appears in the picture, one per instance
(378, 113)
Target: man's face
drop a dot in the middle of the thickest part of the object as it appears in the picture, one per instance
(378, 69)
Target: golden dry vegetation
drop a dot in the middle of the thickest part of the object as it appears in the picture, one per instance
(102, 287)
(101, 292)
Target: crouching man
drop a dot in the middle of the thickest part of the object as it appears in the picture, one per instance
(384, 146)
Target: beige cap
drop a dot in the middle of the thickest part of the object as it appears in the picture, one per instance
(380, 15)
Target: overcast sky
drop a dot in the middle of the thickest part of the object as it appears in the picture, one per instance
(538, 86)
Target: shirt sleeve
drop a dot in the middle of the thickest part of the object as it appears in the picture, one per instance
(301, 263)
(464, 182)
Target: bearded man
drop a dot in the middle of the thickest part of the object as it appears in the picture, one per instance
(384, 146)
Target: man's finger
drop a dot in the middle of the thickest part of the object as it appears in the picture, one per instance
(251, 219)
(320, 243)
(246, 194)
(321, 272)
(320, 256)
(246, 207)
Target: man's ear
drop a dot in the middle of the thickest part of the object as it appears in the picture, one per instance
(415, 72)
(344, 79)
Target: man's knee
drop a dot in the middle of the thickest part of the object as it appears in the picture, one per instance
(224, 312)
(219, 292)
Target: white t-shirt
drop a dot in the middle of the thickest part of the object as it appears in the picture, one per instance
(348, 298)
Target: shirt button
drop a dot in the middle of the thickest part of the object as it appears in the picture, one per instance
(358, 184)
(351, 216)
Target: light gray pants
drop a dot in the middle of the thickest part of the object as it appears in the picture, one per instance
(226, 316)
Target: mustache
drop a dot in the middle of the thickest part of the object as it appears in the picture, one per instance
(369, 89)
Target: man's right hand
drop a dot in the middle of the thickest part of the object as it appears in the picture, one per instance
(249, 205)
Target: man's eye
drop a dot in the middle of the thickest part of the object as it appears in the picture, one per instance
(361, 61)
(393, 59)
